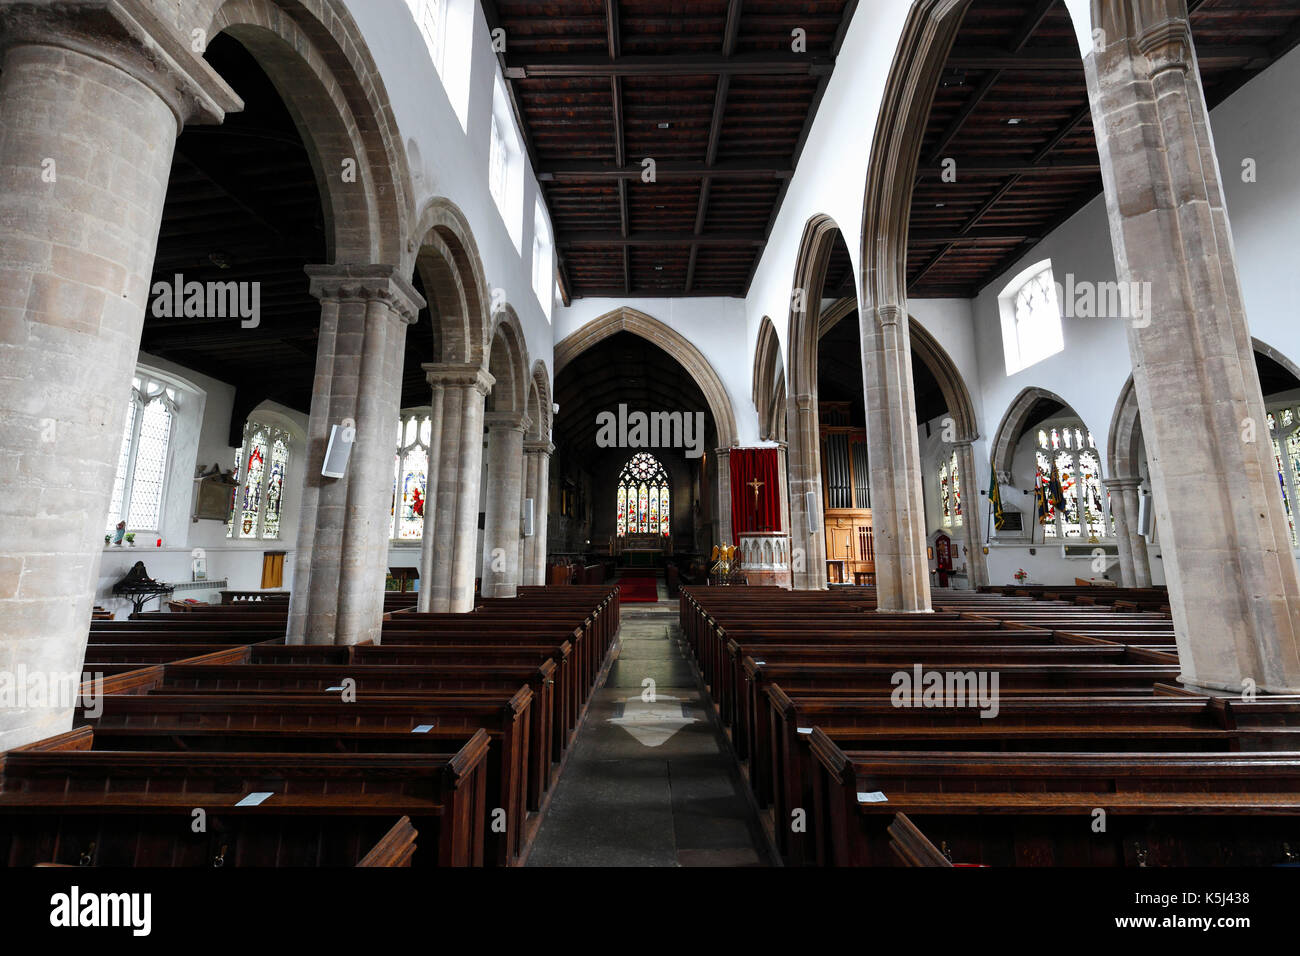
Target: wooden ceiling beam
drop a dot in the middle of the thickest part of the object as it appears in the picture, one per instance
(538, 65)
(571, 239)
(1065, 59)
(1001, 167)
(667, 169)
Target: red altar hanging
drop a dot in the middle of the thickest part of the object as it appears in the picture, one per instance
(747, 466)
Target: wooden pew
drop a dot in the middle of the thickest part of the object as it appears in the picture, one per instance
(72, 805)
(1037, 809)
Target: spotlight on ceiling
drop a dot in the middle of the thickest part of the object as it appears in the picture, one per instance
(1014, 121)
(664, 125)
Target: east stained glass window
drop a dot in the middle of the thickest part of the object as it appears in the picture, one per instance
(261, 468)
(410, 477)
(1085, 510)
(141, 472)
(643, 498)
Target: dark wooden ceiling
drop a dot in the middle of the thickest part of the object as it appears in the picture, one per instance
(243, 206)
(623, 368)
(1012, 111)
(711, 90)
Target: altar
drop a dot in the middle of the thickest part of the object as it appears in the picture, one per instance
(642, 550)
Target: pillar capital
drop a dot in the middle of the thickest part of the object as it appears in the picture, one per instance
(456, 375)
(128, 35)
(516, 421)
(1122, 483)
(367, 283)
(542, 447)
(891, 314)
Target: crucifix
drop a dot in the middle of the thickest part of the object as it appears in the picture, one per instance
(756, 485)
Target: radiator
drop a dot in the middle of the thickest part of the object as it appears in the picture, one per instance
(194, 587)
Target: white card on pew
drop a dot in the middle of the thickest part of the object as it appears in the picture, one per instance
(874, 797)
(254, 799)
(423, 729)
(804, 730)
(328, 689)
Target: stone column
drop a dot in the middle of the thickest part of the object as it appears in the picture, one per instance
(537, 485)
(1232, 578)
(428, 534)
(722, 489)
(92, 97)
(447, 569)
(807, 531)
(975, 512)
(783, 485)
(897, 508)
(343, 535)
(1134, 564)
(505, 467)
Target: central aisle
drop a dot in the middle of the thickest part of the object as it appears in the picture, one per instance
(651, 780)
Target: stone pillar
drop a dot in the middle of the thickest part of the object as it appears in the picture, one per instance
(429, 532)
(505, 465)
(977, 568)
(897, 508)
(448, 568)
(1233, 582)
(722, 489)
(807, 531)
(537, 485)
(1134, 564)
(92, 97)
(783, 485)
(343, 535)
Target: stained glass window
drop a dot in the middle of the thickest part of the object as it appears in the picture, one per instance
(140, 478)
(644, 499)
(950, 492)
(1085, 511)
(1285, 435)
(261, 467)
(411, 477)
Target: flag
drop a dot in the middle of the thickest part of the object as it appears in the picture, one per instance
(1055, 490)
(995, 501)
(1040, 500)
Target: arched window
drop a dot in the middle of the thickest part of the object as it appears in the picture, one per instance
(1031, 318)
(1284, 431)
(950, 492)
(142, 462)
(261, 466)
(1072, 449)
(644, 502)
(410, 477)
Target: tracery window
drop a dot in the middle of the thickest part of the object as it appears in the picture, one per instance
(410, 477)
(142, 461)
(261, 465)
(1284, 432)
(643, 498)
(1031, 318)
(950, 493)
(1085, 508)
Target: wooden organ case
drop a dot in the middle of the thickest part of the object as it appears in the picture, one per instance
(846, 496)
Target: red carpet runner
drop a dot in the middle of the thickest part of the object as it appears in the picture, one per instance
(638, 590)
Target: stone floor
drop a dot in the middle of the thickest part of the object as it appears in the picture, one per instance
(651, 780)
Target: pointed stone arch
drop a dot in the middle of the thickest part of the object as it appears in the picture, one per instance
(1014, 423)
(769, 383)
(625, 319)
(802, 427)
(317, 58)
